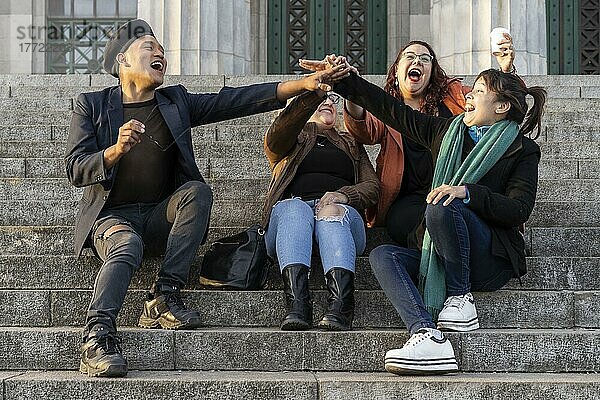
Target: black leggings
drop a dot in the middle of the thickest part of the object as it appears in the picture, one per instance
(404, 216)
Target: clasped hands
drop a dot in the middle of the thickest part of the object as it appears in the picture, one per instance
(333, 61)
(328, 71)
(330, 61)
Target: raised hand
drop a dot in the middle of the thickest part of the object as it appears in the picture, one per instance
(329, 61)
(323, 80)
(506, 56)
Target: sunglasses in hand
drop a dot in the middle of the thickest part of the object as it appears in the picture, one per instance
(155, 142)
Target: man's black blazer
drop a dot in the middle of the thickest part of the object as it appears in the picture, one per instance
(97, 117)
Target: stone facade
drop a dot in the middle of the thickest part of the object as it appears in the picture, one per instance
(21, 22)
(460, 33)
(203, 37)
(210, 37)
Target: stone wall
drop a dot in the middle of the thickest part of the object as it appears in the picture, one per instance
(17, 17)
(204, 37)
(407, 20)
(210, 37)
(460, 33)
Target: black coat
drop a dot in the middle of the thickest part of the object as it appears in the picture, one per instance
(95, 124)
(503, 198)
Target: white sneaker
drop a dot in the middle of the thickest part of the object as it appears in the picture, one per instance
(459, 314)
(427, 352)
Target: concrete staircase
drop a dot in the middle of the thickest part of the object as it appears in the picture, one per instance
(540, 339)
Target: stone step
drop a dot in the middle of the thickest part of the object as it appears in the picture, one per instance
(61, 212)
(59, 133)
(49, 212)
(545, 242)
(45, 80)
(588, 118)
(570, 133)
(260, 349)
(218, 385)
(104, 80)
(61, 99)
(238, 80)
(62, 118)
(30, 271)
(501, 309)
(37, 103)
(572, 104)
(576, 190)
(217, 167)
(578, 242)
(58, 240)
(229, 131)
(68, 92)
(252, 149)
(19, 187)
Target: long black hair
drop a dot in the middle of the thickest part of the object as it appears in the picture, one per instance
(509, 87)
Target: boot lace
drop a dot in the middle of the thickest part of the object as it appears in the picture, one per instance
(109, 344)
(174, 299)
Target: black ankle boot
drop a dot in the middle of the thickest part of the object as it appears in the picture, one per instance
(101, 355)
(297, 298)
(340, 309)
(165, 309)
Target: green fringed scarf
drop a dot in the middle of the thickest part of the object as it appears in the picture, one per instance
(449, 170)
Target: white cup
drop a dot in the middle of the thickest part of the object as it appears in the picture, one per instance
(497, 35)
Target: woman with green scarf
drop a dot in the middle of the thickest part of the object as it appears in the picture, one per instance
(483, 190)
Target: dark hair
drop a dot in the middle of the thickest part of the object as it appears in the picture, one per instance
(510, 87)
(436, 89)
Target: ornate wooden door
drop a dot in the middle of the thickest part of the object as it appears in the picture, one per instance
(313, 28)
(573, 36)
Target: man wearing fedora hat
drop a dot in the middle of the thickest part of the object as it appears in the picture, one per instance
(130, 146)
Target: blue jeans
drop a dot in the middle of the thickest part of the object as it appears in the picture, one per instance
(293, 227)
(463, 243)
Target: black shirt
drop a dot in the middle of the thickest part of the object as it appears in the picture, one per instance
(325, 168)
(146, 174)
(418, 163)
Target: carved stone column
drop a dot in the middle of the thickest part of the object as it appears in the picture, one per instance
(22, 30)
(205, 37)
(460, 33)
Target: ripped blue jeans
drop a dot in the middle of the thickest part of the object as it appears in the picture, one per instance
(293, 227)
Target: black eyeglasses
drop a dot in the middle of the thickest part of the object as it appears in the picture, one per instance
(334, 98)
(424, 58)
(152, 139)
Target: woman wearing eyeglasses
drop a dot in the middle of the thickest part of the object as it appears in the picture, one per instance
(404, 167)
(483, 189)
(322, 180)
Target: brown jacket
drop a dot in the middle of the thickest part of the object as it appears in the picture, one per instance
(289, 139)
(390, 160)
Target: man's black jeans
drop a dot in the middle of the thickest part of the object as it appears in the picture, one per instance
(175, 227)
